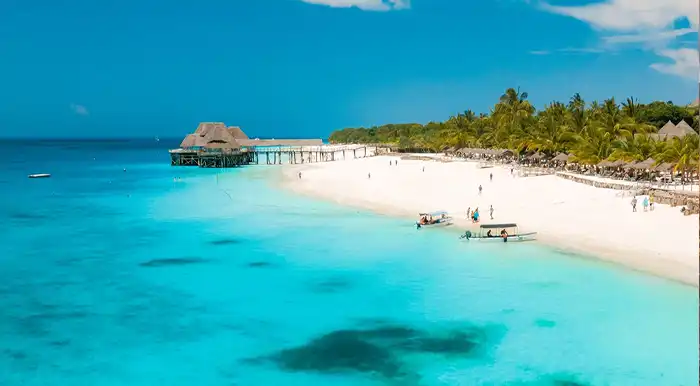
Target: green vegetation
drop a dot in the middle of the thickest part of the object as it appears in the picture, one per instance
(590, 132)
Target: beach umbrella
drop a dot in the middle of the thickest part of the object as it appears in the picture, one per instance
(617, 164)
(603, 164)
(643, 165)
(664, 167)
(536, 157)
(561, 157)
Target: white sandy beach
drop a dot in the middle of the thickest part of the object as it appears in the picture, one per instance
(567, 215)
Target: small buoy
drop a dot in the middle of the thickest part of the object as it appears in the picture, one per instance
(41, 175)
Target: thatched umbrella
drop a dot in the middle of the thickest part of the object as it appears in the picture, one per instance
(536, 157)
(603, 164)
(617, 164)
(643, 165)
(664, 167)
(561, 157)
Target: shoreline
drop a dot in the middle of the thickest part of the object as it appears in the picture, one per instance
(569, 217)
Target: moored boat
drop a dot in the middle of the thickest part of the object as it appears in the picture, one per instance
(40, 175)
(434, 219)
(499, 233)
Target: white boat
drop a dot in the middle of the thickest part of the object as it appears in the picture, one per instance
(434, 219)
(41, 175)
(499, 233)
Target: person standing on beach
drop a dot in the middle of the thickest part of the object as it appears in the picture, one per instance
(299, 175)
(480, 189)
(423, 168)
(491, 177)
(369, 175)
(634, 204)
(651, 202)
(645, 203)
(491, 211)
(469, 212)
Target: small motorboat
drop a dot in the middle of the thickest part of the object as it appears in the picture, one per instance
(40, 175)
(509, 232)
(434, 219)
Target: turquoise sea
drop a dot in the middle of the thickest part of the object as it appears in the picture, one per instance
(114, 273)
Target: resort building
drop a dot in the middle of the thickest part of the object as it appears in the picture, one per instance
(669, 130)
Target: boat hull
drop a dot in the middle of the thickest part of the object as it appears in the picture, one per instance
(39, 175)
(441, 223)
(511, 239)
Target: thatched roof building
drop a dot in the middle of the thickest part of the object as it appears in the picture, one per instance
(216, 135)
(669, 130)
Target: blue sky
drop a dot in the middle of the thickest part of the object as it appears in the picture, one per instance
(302, 68)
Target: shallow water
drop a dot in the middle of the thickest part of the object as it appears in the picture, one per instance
(113, 277)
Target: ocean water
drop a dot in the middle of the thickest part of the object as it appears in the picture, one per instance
(114, 273)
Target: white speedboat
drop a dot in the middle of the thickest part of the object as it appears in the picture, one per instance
(499, 233)
(40, 175)
(434, 219)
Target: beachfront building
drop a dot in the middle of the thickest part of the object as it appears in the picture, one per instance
(669, 130)
(213, 144)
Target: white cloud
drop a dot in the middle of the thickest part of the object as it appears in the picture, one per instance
(650, 24)
(366, 5)
(79, 109)
(684, 62)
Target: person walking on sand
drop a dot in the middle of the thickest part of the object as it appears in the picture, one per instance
(469, 212)
(480, 189)
(491, 177)
(634, 204)
(491, 211)
(369, 175)
(651, 202)
(645, 203)
(423, 168)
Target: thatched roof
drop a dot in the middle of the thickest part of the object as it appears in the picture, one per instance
(643, 165)
(204, 127)
(685, 128)
(562, 157)
(617, 164)
(536, 157)
(603, 164)
(189, 141)
(218, 137)
(666, 166)
(280, 142)
(669, 130)
(236, 132)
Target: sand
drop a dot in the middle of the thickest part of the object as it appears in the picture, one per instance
(567, 215)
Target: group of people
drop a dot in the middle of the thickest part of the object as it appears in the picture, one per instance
(474, 215)
(647, 203)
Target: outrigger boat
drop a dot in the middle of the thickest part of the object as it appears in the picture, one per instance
(499, 232)
(434, 219)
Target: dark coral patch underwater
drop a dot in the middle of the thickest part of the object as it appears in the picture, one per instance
(378, 351)
(173, 261)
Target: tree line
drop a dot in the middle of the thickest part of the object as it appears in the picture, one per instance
(591, 132)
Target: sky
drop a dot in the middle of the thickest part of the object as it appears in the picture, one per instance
(303, 68)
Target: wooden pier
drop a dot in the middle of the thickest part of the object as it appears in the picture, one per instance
(215, 145)
(226, 158)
